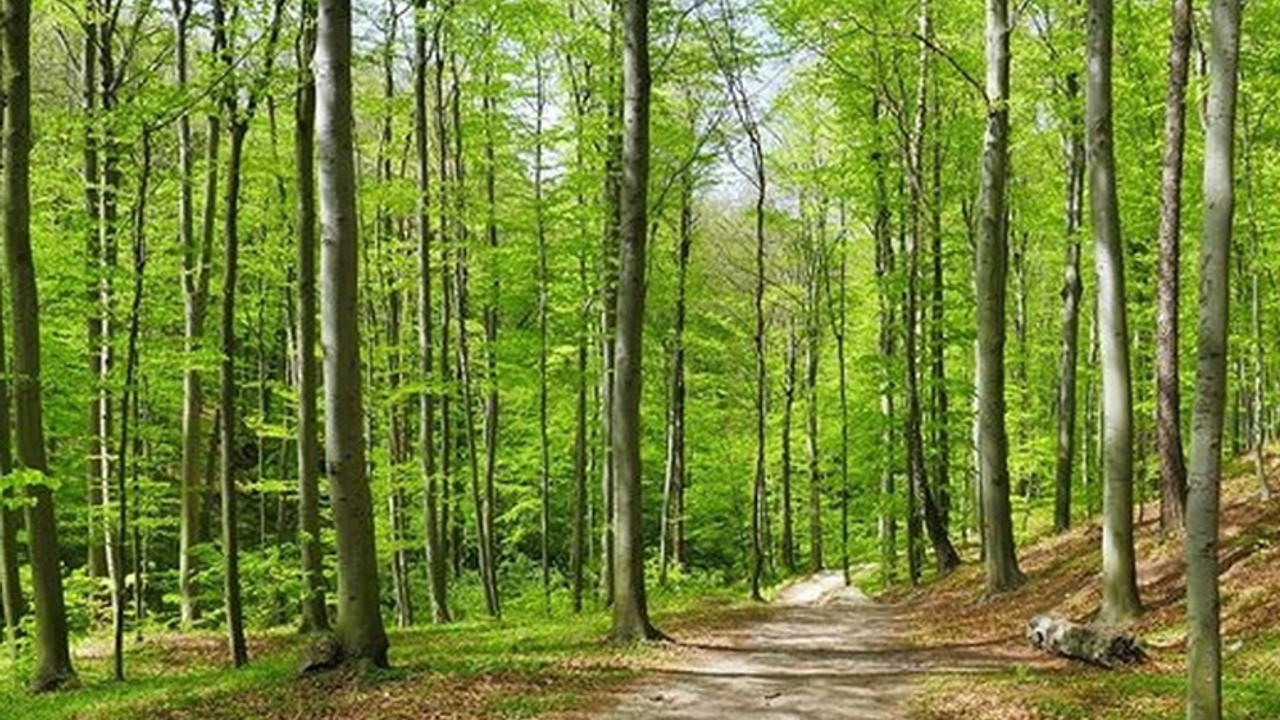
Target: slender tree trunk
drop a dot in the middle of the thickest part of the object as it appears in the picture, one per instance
(1072, 291)
(195, 278)
(127, 403)
(1173, 470)
(359, 626)
(436, 567)
(673, 486)
(315, 615)
(227, 404)
(609, 254)
(53, 656)
(1119, 572)
(944, 552)
(630, 608)
(1257, 268)
(544, 445)
(487, 509)
(1204, 651)
(812, 351)
(12, 601)
(788, 413)
(992, 280)
(91, 178)
(581, 530)
(888, 524)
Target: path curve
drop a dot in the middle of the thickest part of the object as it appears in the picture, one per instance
(823, 650)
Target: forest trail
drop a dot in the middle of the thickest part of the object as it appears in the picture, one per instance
(822, 650)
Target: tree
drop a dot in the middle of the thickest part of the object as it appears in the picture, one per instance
(432, 527)
(630, 606)
(1119, 572)
(1204, 652)
(53, 656)
(1173, 470)
(359, 628)
(315, 617)
(992, 279)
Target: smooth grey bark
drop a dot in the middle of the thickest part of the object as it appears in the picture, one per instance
(1120, 601)
(1204, 644)
(630, 606)
(1173, 469)
(432, 525)
(1072, 292)
(315, 615)
(992, 270)
(359, 629)
(196, 258)
(53, 656)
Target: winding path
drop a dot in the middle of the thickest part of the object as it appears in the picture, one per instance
(823, 650)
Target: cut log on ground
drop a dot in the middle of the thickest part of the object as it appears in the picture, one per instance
(1097, 645)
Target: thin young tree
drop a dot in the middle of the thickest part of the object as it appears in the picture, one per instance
(315, 617)
(1119, 568)
(53, 656)
(1204, 651)
(360, 634)
(1173, 469)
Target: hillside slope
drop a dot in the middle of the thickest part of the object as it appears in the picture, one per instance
(1063, 578)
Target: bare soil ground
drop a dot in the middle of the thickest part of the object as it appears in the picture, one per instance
(822, 650)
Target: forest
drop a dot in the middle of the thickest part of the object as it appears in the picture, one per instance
(451, 358)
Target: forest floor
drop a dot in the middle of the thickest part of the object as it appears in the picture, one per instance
(1062, 579)
(820, 650)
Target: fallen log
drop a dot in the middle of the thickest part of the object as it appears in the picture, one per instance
(1097, 645)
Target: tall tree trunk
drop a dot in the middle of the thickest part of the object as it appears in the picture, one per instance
(1173, 470)
(91, 178)
(544, 446)
(436, 567)
(673, 485)
(1256, 269)
(944, 552)
(992, 280)
(1119, 573)
(127, 403)
(53, 656)
(841, 322)
(1204, 651)
(487, 510)
(196, 257)
(888, 523)
(1072, 291)
(940, 396)
(315, 615)
(12, 602)
(609, 255)
(812, 352)
(580, 540)
(788, 413)
(359, 626)
(630, 607)
(227, 403)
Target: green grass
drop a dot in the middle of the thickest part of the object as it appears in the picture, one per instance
(525, 666)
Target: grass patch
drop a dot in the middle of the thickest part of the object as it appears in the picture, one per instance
(529, 665)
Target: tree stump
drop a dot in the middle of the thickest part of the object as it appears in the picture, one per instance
(1097, 645)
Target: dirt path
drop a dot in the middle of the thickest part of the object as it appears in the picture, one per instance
(822, 651)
